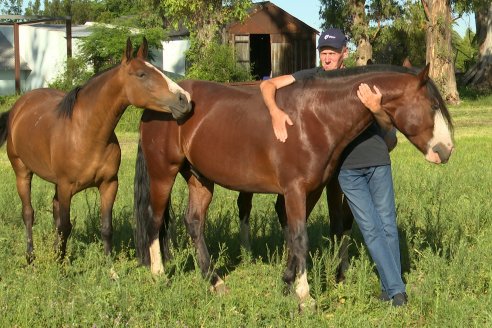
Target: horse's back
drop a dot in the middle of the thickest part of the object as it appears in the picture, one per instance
(229, 138)
(31, 121)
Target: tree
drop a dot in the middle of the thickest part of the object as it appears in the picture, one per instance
(202, 18)
(480, 74)
(439, 52)
(356, 18)
(11, 7)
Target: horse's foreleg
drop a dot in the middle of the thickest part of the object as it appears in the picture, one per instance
(107, 192)
(244, 201)
(23, 180)
(341, 220)
(61, 202)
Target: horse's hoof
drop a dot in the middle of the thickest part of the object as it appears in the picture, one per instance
(113, 275)
(219, 288)
(30, 257)
(157, 270)
(307, 305)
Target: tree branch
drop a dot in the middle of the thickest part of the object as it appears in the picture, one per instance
(426, 9)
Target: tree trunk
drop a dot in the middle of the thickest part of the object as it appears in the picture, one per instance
(360, 29)
(438, 48)
(480, 74)
(364, 51)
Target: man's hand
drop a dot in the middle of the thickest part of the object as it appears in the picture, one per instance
(279, 121)
(372, 100)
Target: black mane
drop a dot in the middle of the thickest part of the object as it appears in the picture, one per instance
(66, 105)
(367, 69)
(431, 87)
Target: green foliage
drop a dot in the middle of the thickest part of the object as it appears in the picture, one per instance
(75, 73)
(11, 7)
(216, 62)
(105, 46)
(466, 50)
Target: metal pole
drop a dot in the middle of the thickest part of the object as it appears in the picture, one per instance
(68, 24)
(17, 59)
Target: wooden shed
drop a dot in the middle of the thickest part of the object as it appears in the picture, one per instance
(272, 42)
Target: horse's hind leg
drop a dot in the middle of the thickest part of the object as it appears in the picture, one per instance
(244, 201)
(200, 196)
(107, 192)
(341, 220)
(297, 242)
(23, 181)
(61, 216)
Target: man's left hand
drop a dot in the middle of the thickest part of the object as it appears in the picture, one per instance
(370, 99)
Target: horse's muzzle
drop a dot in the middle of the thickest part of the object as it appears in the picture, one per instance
(181, 108)
(443, 152)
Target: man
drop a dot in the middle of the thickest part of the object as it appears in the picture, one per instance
(365, 173)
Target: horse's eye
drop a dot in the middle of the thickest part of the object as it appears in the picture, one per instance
(435, 106)
(140, 74)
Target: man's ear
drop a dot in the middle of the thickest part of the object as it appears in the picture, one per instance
(345, 53)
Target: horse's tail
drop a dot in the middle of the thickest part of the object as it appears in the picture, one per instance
(141, 207)
(4, 117)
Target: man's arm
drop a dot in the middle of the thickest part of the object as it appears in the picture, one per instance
(279, 117)
(372, 100)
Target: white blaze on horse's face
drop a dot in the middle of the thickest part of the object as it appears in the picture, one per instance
(441, 145)
(173, 86)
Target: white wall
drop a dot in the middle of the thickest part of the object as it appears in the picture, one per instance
(45, 51)
(173, 56)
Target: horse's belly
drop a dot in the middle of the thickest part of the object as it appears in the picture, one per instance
(234, 168)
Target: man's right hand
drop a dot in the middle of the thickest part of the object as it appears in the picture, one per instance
(279, 121)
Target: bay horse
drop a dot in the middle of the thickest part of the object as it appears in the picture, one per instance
(229, 140)
(69, 140)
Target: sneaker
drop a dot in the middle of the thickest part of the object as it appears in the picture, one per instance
(399, 299)
(384, 296)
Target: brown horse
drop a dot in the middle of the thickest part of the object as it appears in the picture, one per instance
(69, 139)
(229, 141)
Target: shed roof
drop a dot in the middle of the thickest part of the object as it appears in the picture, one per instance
(267, 18)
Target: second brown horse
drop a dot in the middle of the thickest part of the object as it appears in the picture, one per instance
(229, 141)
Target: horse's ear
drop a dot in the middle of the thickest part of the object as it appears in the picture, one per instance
(127, 56)
(424, 75)
(407, 63)
(143, 51)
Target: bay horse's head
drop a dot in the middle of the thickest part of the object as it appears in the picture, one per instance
(147, 87)
(420, 113)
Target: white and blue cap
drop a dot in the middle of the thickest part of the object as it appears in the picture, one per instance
(333, 38)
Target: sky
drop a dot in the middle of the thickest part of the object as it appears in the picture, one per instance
(308, 12)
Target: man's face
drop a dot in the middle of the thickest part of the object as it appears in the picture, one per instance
(332, 58)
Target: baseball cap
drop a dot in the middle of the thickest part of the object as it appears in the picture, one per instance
(333, 38)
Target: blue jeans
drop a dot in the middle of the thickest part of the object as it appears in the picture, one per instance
(370, 195)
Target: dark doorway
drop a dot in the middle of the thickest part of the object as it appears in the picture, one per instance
(260, 57)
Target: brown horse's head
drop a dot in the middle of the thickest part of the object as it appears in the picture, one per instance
(147, 87)
(421, 115)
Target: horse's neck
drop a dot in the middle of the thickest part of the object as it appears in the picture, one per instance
(100, 105)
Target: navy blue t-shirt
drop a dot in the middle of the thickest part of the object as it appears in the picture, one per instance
(368, 149)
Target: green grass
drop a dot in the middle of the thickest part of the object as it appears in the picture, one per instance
(444, 218)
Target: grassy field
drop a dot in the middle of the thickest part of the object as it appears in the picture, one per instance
(444, 218)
